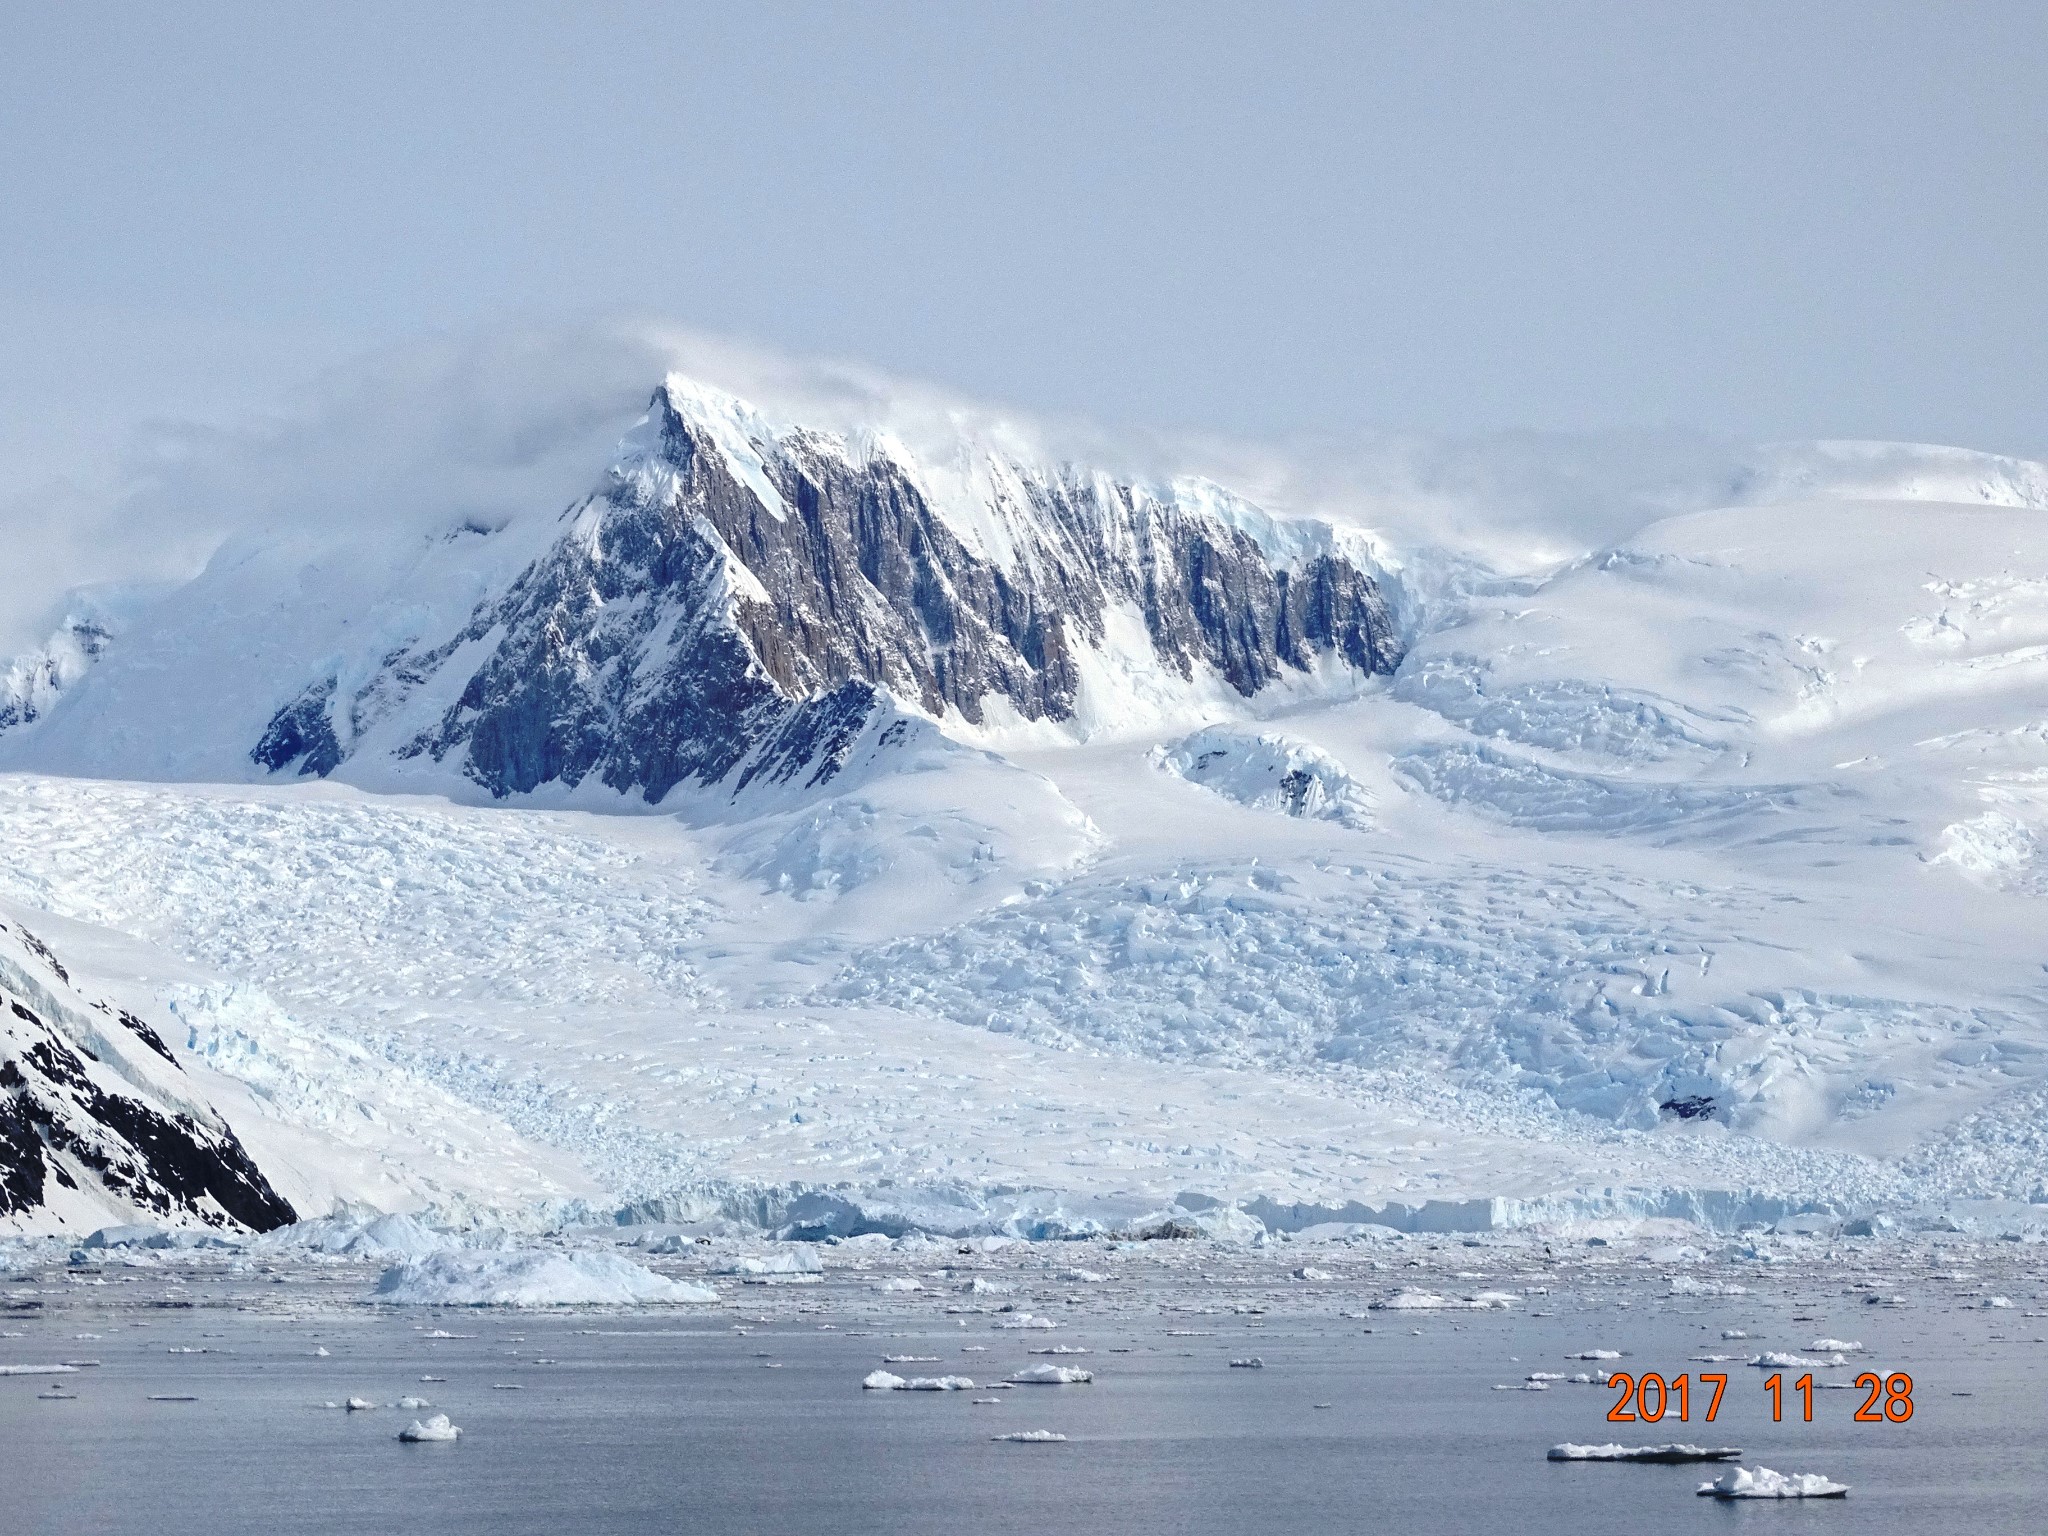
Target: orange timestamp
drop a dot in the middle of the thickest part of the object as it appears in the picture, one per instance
(1649, 1397)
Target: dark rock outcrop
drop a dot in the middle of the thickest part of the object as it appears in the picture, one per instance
(91, 1096)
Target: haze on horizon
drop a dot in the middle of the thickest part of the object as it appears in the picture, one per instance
(1748, 221)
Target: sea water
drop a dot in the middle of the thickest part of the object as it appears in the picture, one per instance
(711, 1421)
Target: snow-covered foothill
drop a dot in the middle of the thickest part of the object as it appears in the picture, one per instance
(533, 1278)
(1763, 1483)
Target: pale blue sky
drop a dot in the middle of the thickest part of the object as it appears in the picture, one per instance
(1764, 220)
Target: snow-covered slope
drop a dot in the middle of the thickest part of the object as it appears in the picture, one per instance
(98, 1123)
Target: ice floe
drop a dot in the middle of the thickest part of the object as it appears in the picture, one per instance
(889, 1381)
(1675, 1452)
(1763, 1483)
(1053, 1376)
(1429, 1301)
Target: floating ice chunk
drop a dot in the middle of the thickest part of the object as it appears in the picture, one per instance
(980, 1287)
(1596, 1354)
(1733, 1333)
(789, 1261)
(1996, 1301)
(1545, 1376)
(37, 1370)
(1514, 1386)
(1084, 1276)
(1310, 1272)
(1032, 1437)
(889, 1381)
(900, 1283)
(412, 1403)
(436, 1428)
(1657, 1453)
(1836, 1346)
(1783, 1360)
(1054, 1376)
(1763, 1483)
(1059, 1349)
(515, 1278)
(320, 1352)
(358, 1404)
(1025, 1320)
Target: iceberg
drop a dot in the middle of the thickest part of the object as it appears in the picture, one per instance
(532, 1278)
(436, 1428)
(1763, 1483)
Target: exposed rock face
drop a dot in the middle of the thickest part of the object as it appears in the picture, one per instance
(96, 1114)
(31, 684)
(736, 598)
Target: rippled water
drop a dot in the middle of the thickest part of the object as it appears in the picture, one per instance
(645, 1424)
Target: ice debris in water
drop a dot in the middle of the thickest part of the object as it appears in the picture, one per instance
(37, 1370)
(1054, 1376)
(515, 1278)
(436, 1428)
(1675, 1452)
(1836, 1346)
(1531, 1385)
(1778, 1359)
(413, 1403)
(358, 1404)
(1763, 1483)
(1032, 1437)
(1025, 1320)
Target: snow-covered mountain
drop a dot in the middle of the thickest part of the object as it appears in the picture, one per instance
(98, 1122)
(735, 604)
(1029, 840)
